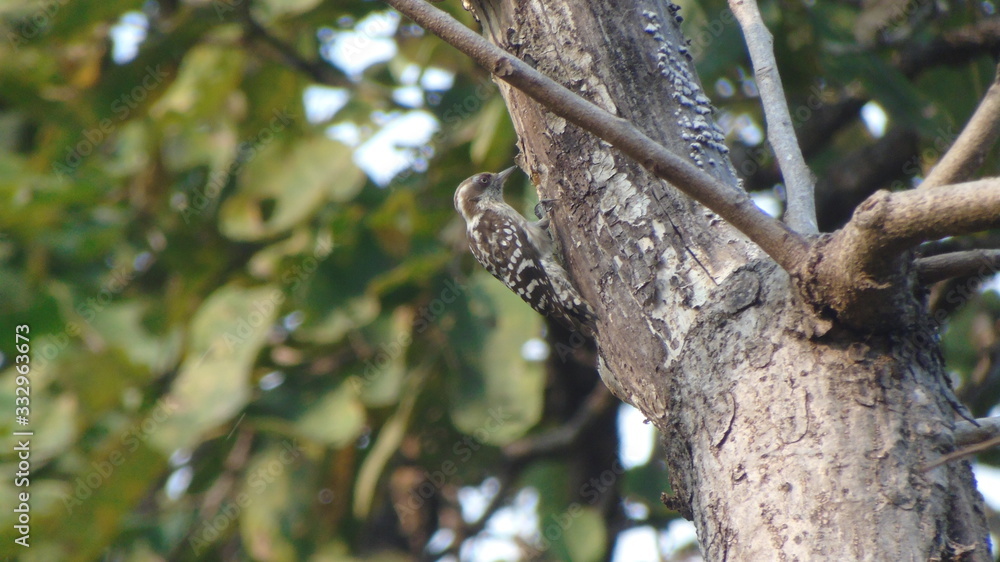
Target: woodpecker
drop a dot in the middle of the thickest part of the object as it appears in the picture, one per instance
(517, 252)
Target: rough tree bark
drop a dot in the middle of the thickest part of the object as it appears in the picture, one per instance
(789, 435)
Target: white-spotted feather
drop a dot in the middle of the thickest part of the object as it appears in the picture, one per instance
(517, 252)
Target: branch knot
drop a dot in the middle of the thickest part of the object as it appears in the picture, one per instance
(872, 212)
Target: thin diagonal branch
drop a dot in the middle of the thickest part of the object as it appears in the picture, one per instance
(957, 264)
(801, 211)
(506, 487)
(317, 70)
(962, 453)
(518, 455)
(986, 241)
(973, 144)
(559, 439)
(784, 245)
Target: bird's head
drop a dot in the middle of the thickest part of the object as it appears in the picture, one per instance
(479, 187)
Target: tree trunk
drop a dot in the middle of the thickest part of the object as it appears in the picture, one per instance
(784, 442)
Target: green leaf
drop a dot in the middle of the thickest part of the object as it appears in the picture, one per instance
(585, 537)
(205, 82)
(336, 419)
(121, 325)
(267, 510)
(97, 499)
(283, 185)
(351, 314)
(900, 97)
(54, 415)
(501, 392)
(381, 379)
(226, 336)
(386, 445)
(273, 9)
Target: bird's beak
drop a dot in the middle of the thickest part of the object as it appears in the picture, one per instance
(502, 176)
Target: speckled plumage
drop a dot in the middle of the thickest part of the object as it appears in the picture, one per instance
(517, 252)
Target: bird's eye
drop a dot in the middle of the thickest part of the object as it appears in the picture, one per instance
(483, 179)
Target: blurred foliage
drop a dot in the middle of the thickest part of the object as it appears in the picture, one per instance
(255, 336)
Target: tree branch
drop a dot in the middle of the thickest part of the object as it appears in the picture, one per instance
(966, 433)
(963, 452)
(886, 224)
(985, 241)
(520, 453)
(970, 148)
(856, 273)
(559, 439)
(784, 245)
(957, 264)
(911, 217)
(464, 530)
(319, 71)
(801, 211)
(954, 47)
